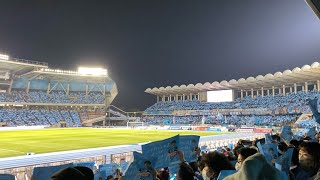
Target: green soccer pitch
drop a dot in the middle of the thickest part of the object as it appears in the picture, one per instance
(17, 143)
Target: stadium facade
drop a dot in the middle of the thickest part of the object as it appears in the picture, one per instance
(298, 79)
(270, 100)
(32, 90)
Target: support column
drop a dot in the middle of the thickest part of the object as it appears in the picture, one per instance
(48, 88)
(268, 92)
(318, 85)
(87, 89)
(169, 97)
(252, 92)
(295, 88)
(257, 93)
(273, 91)
(183, 97)
(28, 87)
(303, 88)
(306, 87)
(314, 87)
(10, 87)
(68, 89)
(158, 98)
(280, 92)
(246, 93)
(241, 95)
(290, 89)
(107, 108)
(284, 90)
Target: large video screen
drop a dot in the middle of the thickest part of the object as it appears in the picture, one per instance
(220, 96)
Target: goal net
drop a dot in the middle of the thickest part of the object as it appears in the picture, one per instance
(134, 125)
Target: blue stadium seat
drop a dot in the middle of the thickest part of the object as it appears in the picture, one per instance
(7, 177)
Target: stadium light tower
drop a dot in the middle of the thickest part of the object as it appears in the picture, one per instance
(4, 57)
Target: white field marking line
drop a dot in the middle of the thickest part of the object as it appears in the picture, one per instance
(11, 150)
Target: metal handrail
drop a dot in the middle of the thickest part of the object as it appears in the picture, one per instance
(28, 61)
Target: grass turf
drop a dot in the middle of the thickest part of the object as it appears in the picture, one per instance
(15, 143)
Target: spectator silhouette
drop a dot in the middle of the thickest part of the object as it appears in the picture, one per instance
(313, 104)
(73, 173)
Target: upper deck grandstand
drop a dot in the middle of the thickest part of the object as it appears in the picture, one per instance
(33, 94)
(273, 99)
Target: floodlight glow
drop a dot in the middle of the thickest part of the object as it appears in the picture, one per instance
(92, 71)
(4, 57)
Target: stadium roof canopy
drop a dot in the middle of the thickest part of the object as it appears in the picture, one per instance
(63, 75)
(39, 70)
(20, 66)
(307, 73)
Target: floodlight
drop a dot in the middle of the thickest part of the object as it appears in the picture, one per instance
(4, 57)
(92, 71)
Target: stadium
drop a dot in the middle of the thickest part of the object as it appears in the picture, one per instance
(63, 123)
(53, 117)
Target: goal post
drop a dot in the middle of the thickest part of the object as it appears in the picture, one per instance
(133, 125)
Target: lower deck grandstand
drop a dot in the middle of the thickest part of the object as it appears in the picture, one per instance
(237, 120)
(260, 111)
(290, 103)
(267, 110)
(55, 97)
(23, 117)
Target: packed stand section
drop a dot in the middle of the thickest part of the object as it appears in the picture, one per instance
(55, 97)
(306, 123)
(291, 103)
(248, 120)
(75, 117)
(26, 117)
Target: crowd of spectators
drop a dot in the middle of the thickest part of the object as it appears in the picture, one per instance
(291, 103)
(307, 123)
(242, 161)
(279, 110)
(247, 162)
(238, 120)
(26, 117)
(54, 97)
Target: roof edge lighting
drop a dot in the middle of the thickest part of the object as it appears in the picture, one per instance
(92, 71)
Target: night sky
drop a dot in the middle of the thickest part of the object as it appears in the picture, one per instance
(148, 43)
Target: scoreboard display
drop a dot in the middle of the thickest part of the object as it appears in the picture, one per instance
(220, 96)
